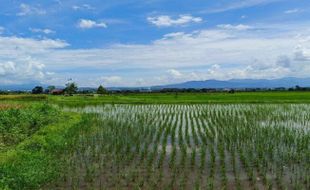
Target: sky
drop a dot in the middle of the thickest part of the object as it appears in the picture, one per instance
(152, 42)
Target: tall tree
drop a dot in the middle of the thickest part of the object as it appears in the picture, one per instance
(101, 90)
(37, 90)
(50, 89)
(71, 88)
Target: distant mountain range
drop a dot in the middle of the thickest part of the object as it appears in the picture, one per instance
(217, 84)
(242, 83)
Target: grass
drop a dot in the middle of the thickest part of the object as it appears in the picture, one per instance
(22, 97)
(37, 160)
(187, 98)
(18, 122)
(168, 98)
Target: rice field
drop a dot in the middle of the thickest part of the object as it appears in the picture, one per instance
(9, 106)
(215, 146)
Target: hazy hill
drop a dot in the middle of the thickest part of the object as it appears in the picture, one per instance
(242, 83)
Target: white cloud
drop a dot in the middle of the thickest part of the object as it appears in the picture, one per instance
(238, 4)
(39, 30)
(234, 27)
(22, 70)
(302, 54)
(111, 80)
(164, 20)
(223, 53)
(16, 46)
(205, 54)
(174, 73)
(87, 24)
(284, 61)
(7, 68)
(18, 58)
(176, 76)
(26, 9)
(291, 11)
(83, 7)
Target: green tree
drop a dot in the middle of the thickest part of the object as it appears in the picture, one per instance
(101, 90)
(50, 89)
(71, 88)
(37, 90)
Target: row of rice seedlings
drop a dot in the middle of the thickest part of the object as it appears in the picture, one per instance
(131, 132)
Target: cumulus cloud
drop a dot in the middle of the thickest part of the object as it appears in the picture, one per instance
(173, 76)
(39, 30)
(284, 61)
(26, 10)
(302, 54)
(7, 68)
(174, 73)
(16, 46)
(21, 70)
(87, 24)
(205, 54)
(18, 58)
(110, 80)
(164, 20)
(220, 53)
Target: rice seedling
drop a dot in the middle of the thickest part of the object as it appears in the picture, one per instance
(192, 146)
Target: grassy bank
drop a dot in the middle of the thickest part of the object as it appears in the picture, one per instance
(20, 121)
(185, 98)
(39, 158)
(166, 98)
(23, 97)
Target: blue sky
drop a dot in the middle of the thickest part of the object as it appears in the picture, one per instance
(150, 42)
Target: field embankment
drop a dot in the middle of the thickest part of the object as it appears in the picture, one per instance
(23, 97)
(184, 98)
(167, 98)
(34, 141)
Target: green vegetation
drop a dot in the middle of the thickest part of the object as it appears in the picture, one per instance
(155, 141)
(168, 98)
(186, 146)
(71, 88)
(37, 90)
(39, 158)
(186, 98)
(101, 90)
(22, 98)
(17, 123)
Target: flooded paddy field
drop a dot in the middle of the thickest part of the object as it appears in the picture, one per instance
(237, 146)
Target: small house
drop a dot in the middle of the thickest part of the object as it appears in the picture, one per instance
(57, 92)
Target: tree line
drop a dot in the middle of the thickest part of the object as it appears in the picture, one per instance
(70, 89)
